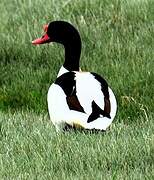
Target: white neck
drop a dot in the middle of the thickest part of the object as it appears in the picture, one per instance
(62, 71)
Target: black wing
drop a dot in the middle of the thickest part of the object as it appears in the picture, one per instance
(68, 83)
(96, 110)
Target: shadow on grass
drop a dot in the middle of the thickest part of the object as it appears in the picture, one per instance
(72, 129)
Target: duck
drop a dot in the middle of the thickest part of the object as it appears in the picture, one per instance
(77, 99)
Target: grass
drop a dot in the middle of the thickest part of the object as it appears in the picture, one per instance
(118, 43)
(31, 149)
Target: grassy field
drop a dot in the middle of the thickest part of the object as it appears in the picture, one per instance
(118, 43)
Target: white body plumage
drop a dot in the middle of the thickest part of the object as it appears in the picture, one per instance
(87, 90)
(76, 99)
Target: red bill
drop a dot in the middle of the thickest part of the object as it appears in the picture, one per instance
(44, 39)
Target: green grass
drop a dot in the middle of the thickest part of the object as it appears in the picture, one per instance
(118, 43)
(31, 149)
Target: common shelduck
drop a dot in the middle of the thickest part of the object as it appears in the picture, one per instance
(76, 99)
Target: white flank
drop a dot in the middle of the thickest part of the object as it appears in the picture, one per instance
(88, 89)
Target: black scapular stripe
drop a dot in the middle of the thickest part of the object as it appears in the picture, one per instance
(68, 84)
(66, 81)
(96, 110)
(104, 85)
